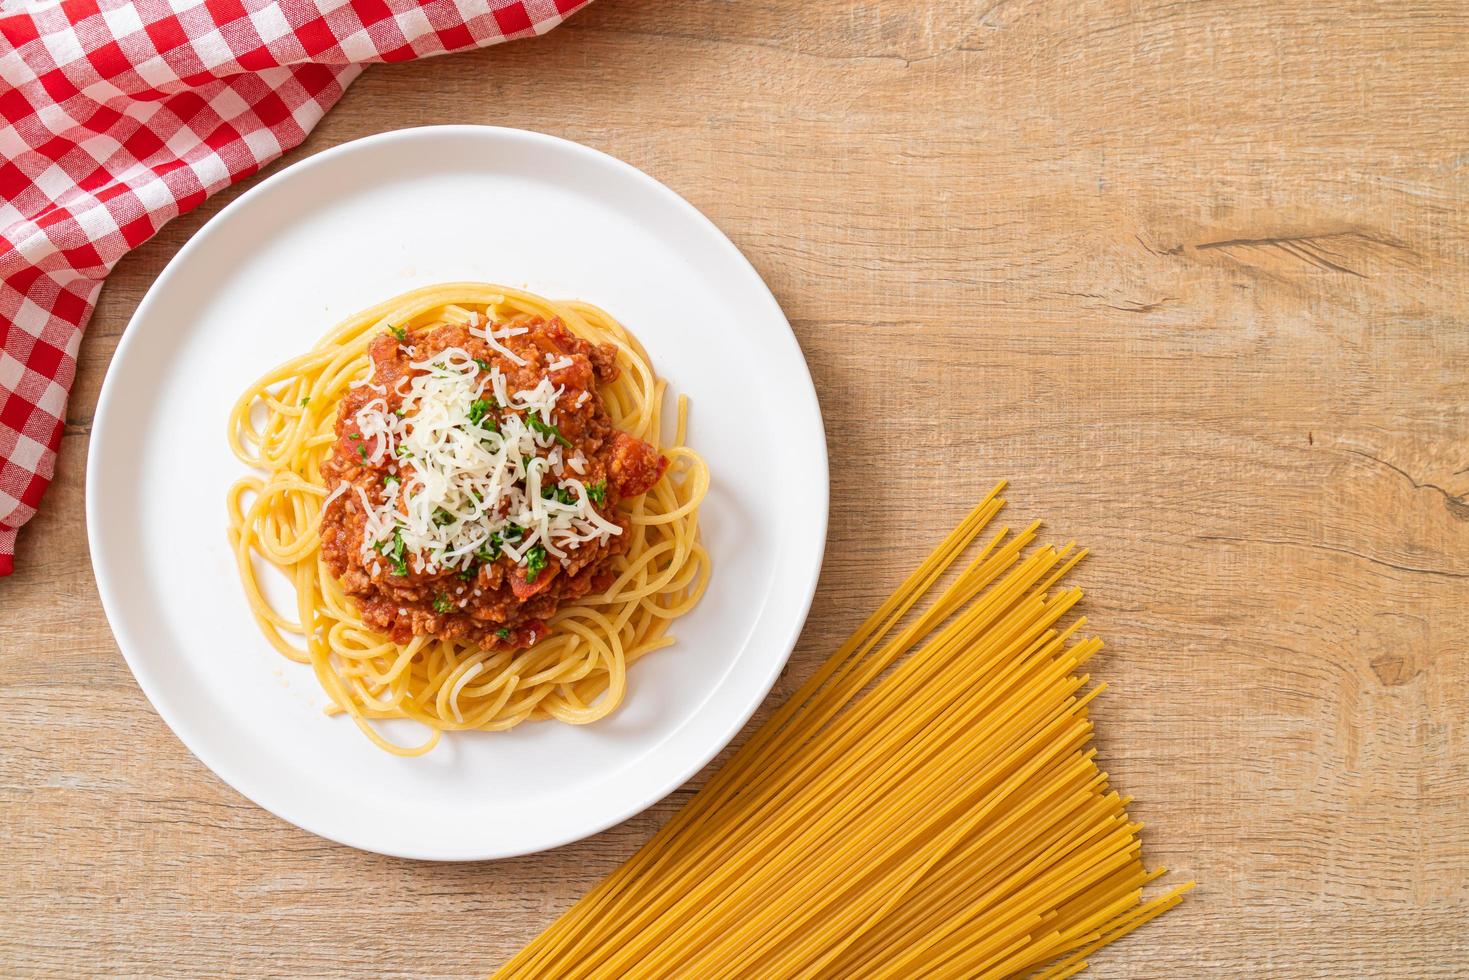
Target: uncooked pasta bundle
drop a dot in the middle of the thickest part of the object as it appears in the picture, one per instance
(927, 805)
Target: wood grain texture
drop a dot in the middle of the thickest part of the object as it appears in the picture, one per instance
(1191, 274)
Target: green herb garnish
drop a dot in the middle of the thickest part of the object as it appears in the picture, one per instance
(560, 494)
(363, 451)
(482, 364)
(442, 603)
(306, 401)
(545, 428)
(512, 531)
(478, 409)
(393, 550)
(597, 491)
(443, 517)
(535, 560)
(503, 632)
(354, 435)
(398, 332)
(389, 478)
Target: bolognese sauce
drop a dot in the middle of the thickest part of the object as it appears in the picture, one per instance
(475, 480)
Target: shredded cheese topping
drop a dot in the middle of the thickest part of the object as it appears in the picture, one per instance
(470, 474)
(493, 337)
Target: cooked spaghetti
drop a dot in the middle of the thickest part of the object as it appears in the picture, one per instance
(466, 487)
(927, 805)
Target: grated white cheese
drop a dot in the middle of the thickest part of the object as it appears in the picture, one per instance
(341, 488)
(493, 338)
(461, 484)
(542, 400)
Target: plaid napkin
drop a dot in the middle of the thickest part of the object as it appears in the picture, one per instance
(117, 116)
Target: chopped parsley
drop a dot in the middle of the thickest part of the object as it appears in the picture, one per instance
(503, 632)
(535, 560)
(465, 574)
(443, 517)
(538, 424)
(478, 410)
(560, 494)
(402, 450)
(354, 435)
(392, 549)
(363, 451)
(398, 332)
(491, 550)
(442, 603)
(389, 478)
(479, 415)
(597, 491)
(482, 364)
(306, 401)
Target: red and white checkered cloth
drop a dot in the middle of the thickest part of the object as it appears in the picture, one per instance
(117, 116)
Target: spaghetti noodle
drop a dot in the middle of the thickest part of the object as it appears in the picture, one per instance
(651, 569)
(927, 805)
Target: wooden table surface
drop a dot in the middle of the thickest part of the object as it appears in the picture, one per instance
(1191, 274)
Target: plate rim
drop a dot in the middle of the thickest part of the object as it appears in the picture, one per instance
(112, 605)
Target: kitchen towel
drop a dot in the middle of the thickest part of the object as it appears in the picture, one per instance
(117, 116)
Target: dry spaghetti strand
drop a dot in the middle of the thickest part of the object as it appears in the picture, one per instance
(283, 427)
(928, 804)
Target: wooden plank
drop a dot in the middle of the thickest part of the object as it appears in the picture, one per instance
(1191, 275)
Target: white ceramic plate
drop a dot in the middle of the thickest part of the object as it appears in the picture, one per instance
(332, 235)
